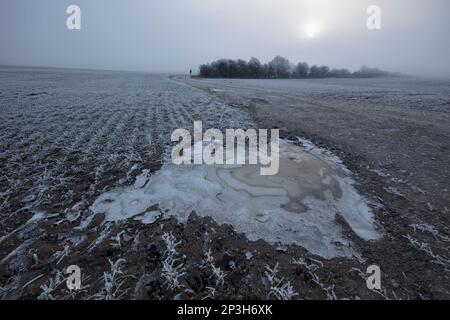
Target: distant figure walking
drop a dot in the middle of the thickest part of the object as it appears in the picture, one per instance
(190, 73)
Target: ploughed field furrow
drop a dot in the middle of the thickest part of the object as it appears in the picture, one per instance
(65, 140)
(69, 136)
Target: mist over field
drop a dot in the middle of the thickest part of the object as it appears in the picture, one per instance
(178, 35)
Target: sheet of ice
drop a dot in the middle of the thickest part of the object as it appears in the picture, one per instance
(149, 217)
(297, 206)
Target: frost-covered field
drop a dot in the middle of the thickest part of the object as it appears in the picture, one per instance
(84, 180)
(68, 136)
(409, 93)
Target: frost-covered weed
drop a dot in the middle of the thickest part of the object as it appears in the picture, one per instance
(280, 289)
(60, 255)
(424, 227)
(49, 288)
(172, 271)
(216, 272)
(311, 268)
(113, 282)
(117, 240)
(425, 247)
(211, 293)
(381, 292)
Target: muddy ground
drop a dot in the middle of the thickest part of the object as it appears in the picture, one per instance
(56, 160)
(394, 137)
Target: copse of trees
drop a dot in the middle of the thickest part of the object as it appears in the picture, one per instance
(280, 68)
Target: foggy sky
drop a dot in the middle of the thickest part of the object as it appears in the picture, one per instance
(176, 35)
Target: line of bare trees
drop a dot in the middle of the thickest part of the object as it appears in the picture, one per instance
(280, 68)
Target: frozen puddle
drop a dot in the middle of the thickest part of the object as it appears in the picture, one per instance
(296, 206)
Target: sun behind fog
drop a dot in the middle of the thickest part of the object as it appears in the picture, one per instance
(312, 29)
